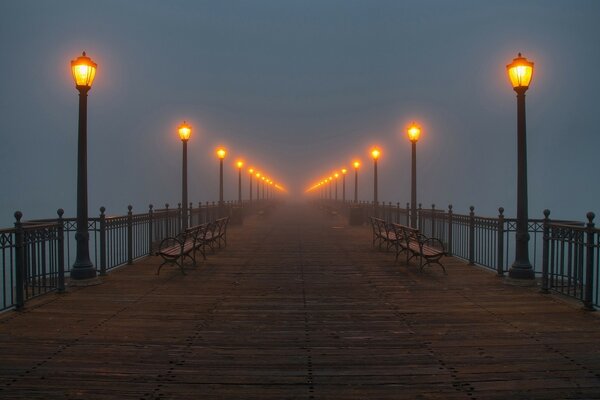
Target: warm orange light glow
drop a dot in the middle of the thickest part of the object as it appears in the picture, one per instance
(263, 178)
(520, 72)
(344, 171)
(221, 152)
(336, 175)
(251, 171)
(414, 132)
(258, 174)
(356, 164)
(184, 131)
(84, 71)
(375, 153)
(330, 178)
(240, 164)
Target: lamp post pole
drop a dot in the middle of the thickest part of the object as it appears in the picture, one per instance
(239, 165)
(251, 172)
(184, 194)
(356, 165)
(344, 172)
(221, 182)
(413, 135)
(84, 70)
(520, 72)
(336, 187)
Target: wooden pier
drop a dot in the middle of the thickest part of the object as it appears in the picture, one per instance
(300, 306)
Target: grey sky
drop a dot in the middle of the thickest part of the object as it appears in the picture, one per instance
(298, 88)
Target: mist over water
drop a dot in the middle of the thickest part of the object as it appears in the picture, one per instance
(297, 90)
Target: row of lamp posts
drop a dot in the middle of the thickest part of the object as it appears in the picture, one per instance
(520, 72)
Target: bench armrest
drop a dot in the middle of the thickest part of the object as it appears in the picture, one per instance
(433, 243)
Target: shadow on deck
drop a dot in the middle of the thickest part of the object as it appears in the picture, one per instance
(300, 306)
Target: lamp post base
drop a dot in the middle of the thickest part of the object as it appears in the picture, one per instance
(83, 272)
(521, 271)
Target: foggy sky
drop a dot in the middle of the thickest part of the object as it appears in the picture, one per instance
(297, 89)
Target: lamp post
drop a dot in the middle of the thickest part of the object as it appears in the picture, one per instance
(84, 72)
(263, 186)
(330, 180)
(413, 135)
(344, 172)
(257, 186)
(221, 152)
(184, 134)
(250, 172)
(336, 176)
(375, 153)
(356, 166)
(520, 72)
(240, 164)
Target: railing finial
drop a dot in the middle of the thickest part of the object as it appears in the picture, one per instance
(590, 216)
(18, 216)
(60, 212)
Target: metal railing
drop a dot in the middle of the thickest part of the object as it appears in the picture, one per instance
(566, 257)
(36, 255)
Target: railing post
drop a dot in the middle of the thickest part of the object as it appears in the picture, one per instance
(61, 251)
(102, 241)
(179, 215)
(432, 220)
(398, 212)
(129, 235)
(546, 254)
(472, 236)
(150, 228)
(588, 301)
(500, 242)
(19, 262)
(190, 216)
(206, 217)
(407, 214)
(420, 218)
(450, 230)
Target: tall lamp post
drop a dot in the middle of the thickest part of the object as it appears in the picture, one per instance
(257, 186)
(520, 72)
(221, 152)
(356, 165)
(330, 179)
(375, 153)
(240, 164)
(184, 134)
(250, 173)
(263, 186)
(344, 172)
(336, 176)
(84, 71)
(413, 135)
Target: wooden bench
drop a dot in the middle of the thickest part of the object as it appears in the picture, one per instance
(415, 244)
(383, 233)
(175, 249)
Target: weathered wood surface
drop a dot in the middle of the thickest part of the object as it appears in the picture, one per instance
(299, 306)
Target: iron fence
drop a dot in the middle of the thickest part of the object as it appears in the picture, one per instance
(564, 254)
(36, 255)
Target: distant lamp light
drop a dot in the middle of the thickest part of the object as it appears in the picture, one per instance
(84, 71)
(336, 175)
(240, 164)
(375, 153)
(221, 152)
(344, 171)
(520, 72)
(414, 132)
(356, 164)
(184, 131)
(251, 171)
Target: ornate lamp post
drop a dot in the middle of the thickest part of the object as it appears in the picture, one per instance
(184, 131)
(520, 72)
(356, 165)
(250, 172)
(330, 180)
(375, 153)
(336, 176)
(240, 164)
(221, 152)
(84, 72)
(413, 135)
(263, 186)
(344, 172)
(257, 186)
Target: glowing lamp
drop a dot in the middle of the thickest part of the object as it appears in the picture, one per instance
(336, 175)
(344, 171)
(375, 153)
(520, 72)
(251, 171)
(84, 71)
(240, 164)
(221, 153)
(356, 164)
(258, 174)
(184, 131)
(414, 132)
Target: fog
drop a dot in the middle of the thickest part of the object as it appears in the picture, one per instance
(298, 89)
